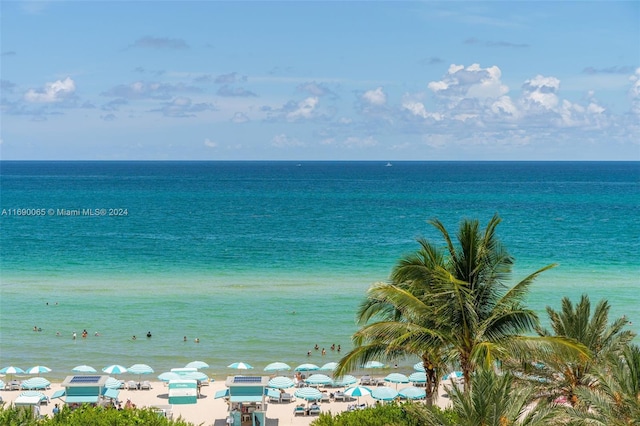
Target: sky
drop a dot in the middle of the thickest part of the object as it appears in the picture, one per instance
(330, 80)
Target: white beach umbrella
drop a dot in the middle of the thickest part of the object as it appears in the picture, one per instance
(38, 369)
(418, 366)
(307, 367)
(418, 377)
(115, 369)
(281, 382)
(329, 366)
(240, 366)
(112, 383)
(140, 369)
(357, 392)
(197, 364)
(84, 369)
(309, 394)
(169, 375)
(277, 366)
(12, 370)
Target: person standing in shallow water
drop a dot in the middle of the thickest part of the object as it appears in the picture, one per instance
(148, 334)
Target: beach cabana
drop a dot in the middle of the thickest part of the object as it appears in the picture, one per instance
(183, 391)
(247, 399)
(80, 390)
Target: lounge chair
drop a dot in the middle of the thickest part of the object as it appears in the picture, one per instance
(365, 380)
(339, 396)
(325, 398)
(314, 409)
(299, 410)
(131, 385)
(286, 397)
(145, 385)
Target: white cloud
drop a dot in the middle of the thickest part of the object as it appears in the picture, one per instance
(209, 143)
(240, 117)
(360, 142)
(284, 141)
(52, 92)
(375, 97)
(305, 109)
(541, 91)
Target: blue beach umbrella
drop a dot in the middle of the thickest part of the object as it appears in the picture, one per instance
(329, 366)
(281, 382)
(38, 369)
(396, 378)
(357, 392)
(195, 375)
(36, 383)
(345, 381)
(277, 366)
(140, 369)
(240, 366)
(418, 366)
(384, 393)
(307, 367)
(412, 392)
(418, 377)
(169, 375)
(84, 369)
(309, 394)
(115, 369)
(112, 383)
(197, 364)
(12, 370)
(319, 379)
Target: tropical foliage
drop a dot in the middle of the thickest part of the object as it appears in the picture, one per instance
(450, 306)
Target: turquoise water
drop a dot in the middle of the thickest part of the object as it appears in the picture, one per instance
(262, 260)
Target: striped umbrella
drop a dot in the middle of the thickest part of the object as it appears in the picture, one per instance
(396, 378)
(12, 370)
(197, 364)
(115, 369)
(307, 367)
(330, 366)
(38, 369)
(112, 383)
(418, 377)
(140, 369)
(195, 375)
(418, 366)
(384, 393)
(357, 392)
(240, 366)
(84, 369)
(345, 381)
(169, 375)
(309, 394)
(36, 383)
(281, 382)
(412, 392)
(277, 366)
(319, 379)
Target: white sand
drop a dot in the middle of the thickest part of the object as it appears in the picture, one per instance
(210, 411)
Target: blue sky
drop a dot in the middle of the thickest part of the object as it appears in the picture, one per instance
(296, 80)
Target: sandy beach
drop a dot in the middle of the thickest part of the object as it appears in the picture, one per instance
(211, 411)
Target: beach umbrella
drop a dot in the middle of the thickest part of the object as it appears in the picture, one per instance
(357, 392)
(2, 384)
(307, 367)
(384, 393)
(396, 378)
(83, 369)
(115, 369)
(453, 375)
(373, 364)
(112, 383)
(30, 398)
(309, 394)
(240, 366)
(12, 370)
(36, 383)
(418, 377)
(140, 369)
(330, 366)
(345, 381)
(319, 379)
(38, 369)
(195, 375)
(197, 364)
(418, 366)
(412, 392)
(277, 366)
(169, 375)
(281, 382)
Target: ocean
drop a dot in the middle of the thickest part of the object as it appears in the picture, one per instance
(260, 261)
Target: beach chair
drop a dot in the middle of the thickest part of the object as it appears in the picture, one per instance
(365, 380)
(286, 397)
(145, 385)
(131, 385)
(299, 411)
(339, 396)
(325, 398)
(314, 409)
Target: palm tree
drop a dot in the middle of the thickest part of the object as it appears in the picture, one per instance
(449, 306)
(493, 401)
(616, 399)
(565, 373)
